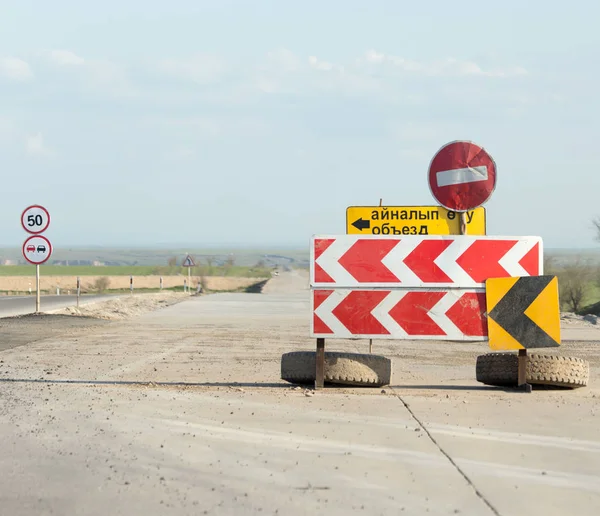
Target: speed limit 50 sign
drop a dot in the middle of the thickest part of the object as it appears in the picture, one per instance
(35, 219)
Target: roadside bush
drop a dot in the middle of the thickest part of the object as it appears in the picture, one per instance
(101, 284)
(574, 282)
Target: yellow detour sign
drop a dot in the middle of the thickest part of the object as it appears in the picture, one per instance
(411, 220)
(523, 313)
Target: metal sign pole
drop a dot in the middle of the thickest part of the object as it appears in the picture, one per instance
(78, 290)
(190, 280)
(320, 364)
(463, 223)
(522, 371)
(37, 288)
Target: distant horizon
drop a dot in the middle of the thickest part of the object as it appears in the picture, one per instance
(178, 246)
(225, 247)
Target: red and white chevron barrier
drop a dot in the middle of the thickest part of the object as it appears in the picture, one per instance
(400, 314)
(347, 261)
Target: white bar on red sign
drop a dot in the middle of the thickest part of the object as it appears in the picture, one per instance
(457, 261)
(460, 176)
(419, 314)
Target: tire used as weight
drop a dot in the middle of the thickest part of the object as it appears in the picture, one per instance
(340, 368)
(502, 370)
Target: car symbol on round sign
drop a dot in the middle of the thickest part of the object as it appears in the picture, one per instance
(462, 176)
(35, 219)
(37, 249)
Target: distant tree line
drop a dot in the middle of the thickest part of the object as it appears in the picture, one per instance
(578, 280)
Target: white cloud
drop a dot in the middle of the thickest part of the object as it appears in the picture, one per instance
(445, 67)
(372, 74)
(201, 68)
(65, 58)
(284, 60)
(35, 145)
(317, 64)
(266, 85)
(208, 127)
(108, 78)
(285, 72)
(15, 69)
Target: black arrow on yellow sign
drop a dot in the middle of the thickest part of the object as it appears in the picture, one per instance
(362, 224)
(523, 312)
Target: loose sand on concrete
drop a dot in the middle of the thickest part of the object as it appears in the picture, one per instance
(179, 409)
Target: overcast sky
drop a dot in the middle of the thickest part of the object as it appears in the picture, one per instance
(258, 122)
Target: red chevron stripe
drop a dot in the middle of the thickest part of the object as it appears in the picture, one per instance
(421, 261)
(354, 312)
(363, 261)
(318, 297)
(412, 313)
(469, 314)
(480, 260)
(531, 261)
(321, 245)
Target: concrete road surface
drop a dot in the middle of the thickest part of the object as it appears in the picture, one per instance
(181, 411)
(11, 306)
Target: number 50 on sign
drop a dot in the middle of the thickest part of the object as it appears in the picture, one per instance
(35, 219)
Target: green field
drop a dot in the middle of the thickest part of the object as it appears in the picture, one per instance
(135, 270)
(591, 295)
(159, 257)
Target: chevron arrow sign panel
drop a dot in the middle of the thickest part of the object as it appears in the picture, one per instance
(523, 313)
(400, 314)
(455, 261)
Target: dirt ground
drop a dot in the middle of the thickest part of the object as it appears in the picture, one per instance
(173, 404)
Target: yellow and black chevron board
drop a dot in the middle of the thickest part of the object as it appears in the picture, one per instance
(523, 312)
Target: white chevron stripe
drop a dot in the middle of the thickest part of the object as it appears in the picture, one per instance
(438, 313)
(394, 261)
(382, 313)
(329, 261)
(447, 262)
(325, 313)
(510, 261)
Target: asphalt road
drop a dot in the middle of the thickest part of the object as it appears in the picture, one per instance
(11, 306)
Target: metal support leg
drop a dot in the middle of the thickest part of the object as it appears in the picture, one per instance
(522, 379)
(320, 364)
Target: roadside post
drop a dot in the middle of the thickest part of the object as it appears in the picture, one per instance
(37, 249)
(161, 283)
(189, 263)
(78, 290)
(131, 284)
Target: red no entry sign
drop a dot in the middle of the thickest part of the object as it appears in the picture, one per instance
(462, 176)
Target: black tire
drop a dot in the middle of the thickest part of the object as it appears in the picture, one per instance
(340, 368)
(502, 370)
